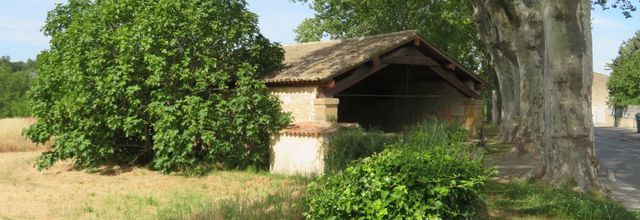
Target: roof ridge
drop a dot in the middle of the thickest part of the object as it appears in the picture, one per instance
(312, 42)
(415, 32)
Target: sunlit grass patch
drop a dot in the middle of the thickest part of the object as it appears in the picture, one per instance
(539, 201)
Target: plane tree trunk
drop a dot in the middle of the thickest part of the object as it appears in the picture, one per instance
(541, 53)
(569, 146)
(497, 35)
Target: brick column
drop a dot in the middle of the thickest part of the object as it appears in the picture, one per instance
(326, 109)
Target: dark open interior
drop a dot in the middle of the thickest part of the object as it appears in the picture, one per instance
(396, 97)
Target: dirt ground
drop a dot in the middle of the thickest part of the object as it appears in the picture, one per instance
(62, 193)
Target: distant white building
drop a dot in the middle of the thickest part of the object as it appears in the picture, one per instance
(603, 114)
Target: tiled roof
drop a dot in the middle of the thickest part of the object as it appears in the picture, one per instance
(323, 60)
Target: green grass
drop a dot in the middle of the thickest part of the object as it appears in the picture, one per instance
(193, 204)
(281, 205)
(496, 148)
(493, 146)
(540, 201)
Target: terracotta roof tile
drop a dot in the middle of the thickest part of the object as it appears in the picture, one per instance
(313, 129)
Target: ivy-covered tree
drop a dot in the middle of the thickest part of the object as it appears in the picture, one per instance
(174, 84)
(624, 83)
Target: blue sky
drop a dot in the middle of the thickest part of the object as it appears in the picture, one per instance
(21, 20)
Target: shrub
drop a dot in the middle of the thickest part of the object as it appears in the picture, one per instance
(350, 144)
(170, 83)
(401, 183)
(423, 173)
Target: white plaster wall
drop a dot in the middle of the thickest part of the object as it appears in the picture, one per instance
(299, 101)
(600, 115)
(298, 155)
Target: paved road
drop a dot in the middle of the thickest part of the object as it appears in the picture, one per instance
(618, 150)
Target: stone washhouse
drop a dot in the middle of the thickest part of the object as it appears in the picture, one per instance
(388, 82)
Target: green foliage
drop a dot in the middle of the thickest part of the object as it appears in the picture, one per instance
(350, 144)
(16, 80)
(448, 24)
(401, 184)
(433, 133)
(625, 6)
(420, 176)
(533, 199)
(624, 83)
(171, 83)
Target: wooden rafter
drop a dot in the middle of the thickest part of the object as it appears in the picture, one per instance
(356, 76)
(455, 82)
(410, 56)
(407, 55)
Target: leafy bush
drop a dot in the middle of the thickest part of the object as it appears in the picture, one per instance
(402, 183)
(350, 144)
(425, 172)
(171, 83)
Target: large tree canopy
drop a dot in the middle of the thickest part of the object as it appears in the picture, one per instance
(447, 24)
(624, 83)
(174, 83)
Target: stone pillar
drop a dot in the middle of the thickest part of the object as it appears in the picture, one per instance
(326, 109)
(473, 117)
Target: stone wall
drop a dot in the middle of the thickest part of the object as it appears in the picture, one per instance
(299, 101)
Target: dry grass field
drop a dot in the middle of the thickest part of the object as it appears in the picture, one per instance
(133, 193)
(11, 139)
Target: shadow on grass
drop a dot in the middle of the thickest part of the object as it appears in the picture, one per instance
(540, 201)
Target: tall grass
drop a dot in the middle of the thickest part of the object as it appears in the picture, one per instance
(432, 132)
(350, 144)
(11, 139)
(285, 204)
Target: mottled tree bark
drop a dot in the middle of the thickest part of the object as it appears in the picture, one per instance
(569, 146)
(541, 52)
(529, 47)
(497, 34)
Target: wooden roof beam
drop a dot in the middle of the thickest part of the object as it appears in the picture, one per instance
(356, 76)
(455, 82)
(411, 56)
